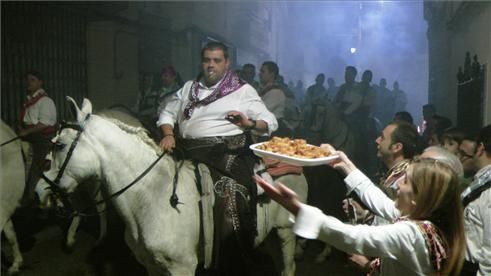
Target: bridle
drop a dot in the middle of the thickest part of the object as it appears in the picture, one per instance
(53, 184)
(64, 196)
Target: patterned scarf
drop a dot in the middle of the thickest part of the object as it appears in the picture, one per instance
(230, 83)
(435, 244)
(395, 173)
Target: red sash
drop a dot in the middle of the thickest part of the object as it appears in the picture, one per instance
(30, 102)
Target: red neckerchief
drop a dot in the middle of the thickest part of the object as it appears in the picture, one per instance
(30, 102)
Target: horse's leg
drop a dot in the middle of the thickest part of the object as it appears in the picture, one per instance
(182, 269)
(287, 238)
(72, 232)
(12, 239)
(322, 256)
(300, 248)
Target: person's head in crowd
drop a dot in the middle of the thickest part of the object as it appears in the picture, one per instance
(398, 141)
(268, 73)
(147, 81)
(404, 116)
(291, 85)
(331, 82)
(299, 85)
(382, 83)
(395, 86)
(34, 81)
(451, 139)
(249, 72)
(428, 112)
(281, 80)
(168, 75)
(319, 80)
(350, 74)
(445, 156)
(367, 77)
(431, 191)
(214, 62)
(467, 149)
(438, 125)
(482, 157)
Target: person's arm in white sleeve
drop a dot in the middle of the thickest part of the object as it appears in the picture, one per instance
(396, 241)
(371, 195)
(169, 114)
(485, 214)
(258, 111)
(47, 112)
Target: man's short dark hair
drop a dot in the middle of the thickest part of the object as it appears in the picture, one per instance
(485, 138)
(272, 67)
(249, 65)
(352, 69)
(404, 116)
(215, 45)
(36, 74)
(455, 134)
(429, 106)
(408, 136)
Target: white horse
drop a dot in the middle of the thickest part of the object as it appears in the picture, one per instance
(12, 187)
(164, 239)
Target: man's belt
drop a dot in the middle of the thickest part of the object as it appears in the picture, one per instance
(234, 142)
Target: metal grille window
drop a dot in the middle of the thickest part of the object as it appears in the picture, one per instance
(47, 38)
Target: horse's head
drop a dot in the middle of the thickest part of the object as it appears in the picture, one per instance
(72, 158)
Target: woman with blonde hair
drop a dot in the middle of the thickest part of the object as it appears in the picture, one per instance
(428, 238)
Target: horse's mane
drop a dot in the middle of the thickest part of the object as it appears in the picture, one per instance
(139, 132)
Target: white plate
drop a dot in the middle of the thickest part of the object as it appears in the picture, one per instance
(304, 162)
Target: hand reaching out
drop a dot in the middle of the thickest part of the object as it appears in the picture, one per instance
(281, 194)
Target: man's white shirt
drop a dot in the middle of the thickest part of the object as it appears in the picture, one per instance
(209, 120)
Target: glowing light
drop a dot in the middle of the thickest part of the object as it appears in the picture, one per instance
(352, 50)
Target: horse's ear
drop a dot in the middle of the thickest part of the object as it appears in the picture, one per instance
(86, 106)
(74, 110)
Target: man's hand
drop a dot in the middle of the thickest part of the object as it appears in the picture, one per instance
(168, 143)
(240, 119)
(281, 194)
(342, 162)
(359, 212)
(360, 261)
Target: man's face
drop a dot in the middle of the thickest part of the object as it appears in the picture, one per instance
(33, 83)
(265, 75)
(168, 79)
(214, 65)
(248, 73)
(382, 83)
(384, 143)
(451, 145)
(466, 154)
(349, 76)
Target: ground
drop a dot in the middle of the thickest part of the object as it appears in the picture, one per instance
(41, 239)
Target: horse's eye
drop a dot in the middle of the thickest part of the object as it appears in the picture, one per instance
(57, 146)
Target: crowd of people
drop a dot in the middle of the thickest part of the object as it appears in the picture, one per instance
(430, 207)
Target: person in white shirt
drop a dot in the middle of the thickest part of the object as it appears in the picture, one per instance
(37, 126)
(215, 114)
(477, 213)
(427, 239)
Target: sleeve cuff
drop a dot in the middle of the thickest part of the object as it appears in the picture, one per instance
(308, 222)
(353, 180)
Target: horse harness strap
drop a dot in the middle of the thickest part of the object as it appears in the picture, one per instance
(63, 195)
